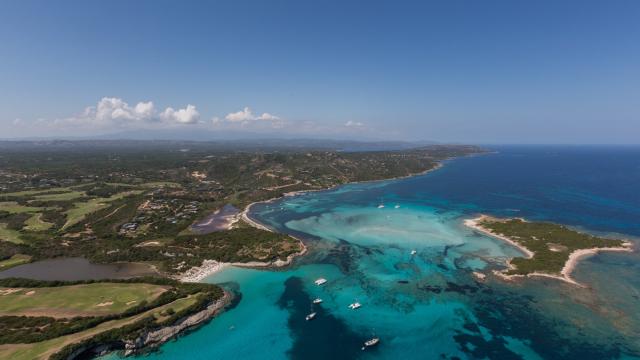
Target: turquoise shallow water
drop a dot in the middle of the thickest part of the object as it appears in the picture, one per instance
(429, 305)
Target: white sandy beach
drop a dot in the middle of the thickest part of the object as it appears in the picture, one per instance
(210, 267)
(198, 273)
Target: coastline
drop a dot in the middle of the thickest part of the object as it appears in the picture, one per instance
(210, 267)
(199, 273)
(475, 225)
(244, 214)
(155, 338)
(569, 266)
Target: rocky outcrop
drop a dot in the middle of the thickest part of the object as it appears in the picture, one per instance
(157, 337)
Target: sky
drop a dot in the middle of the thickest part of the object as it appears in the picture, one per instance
(510, 71)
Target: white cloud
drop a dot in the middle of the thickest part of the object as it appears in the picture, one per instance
(115, 112)
(246, 114)
(188, 115)
(115, 109)
(245, 118)
(353, 124)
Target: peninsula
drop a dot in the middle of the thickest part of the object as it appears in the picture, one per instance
(551, 250)
(174, 207)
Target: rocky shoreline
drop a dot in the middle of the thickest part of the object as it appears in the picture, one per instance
(155, 338)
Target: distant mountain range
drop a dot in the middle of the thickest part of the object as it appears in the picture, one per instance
(240, 144)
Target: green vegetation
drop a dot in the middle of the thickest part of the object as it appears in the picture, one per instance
(123, 202)
(82, 209)
(60, 324)
(15, 260)
(10, 235)
(244, 244)
(551, 243)
(14, 208)
(67, 195)
(76, 300)
(35, 223)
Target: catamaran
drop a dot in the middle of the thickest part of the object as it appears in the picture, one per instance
(317, 301)
(310, 316)
(320, 281)
(355, 305)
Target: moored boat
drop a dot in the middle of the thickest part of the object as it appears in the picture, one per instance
(310, 316)
(320, 281)
(371, 342)
(317, 301)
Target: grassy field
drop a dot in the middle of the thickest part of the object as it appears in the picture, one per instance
(33, 192)
(15, 260)
(44, 349)
(76, 300)
(13, 207)
(9, 235)
(70, 195)
(149, 185)
(35, 223)
(82, 209)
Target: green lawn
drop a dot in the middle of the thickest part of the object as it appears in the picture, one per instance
(77, 300)
(149, 185)
(155, 184)
(32, 192)
(9, 235)
(82, 209)
(15, 260)
(35, 223)
(44, 349)
(13, 207)
(61, 196)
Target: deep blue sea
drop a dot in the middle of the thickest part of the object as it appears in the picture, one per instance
(429, 305)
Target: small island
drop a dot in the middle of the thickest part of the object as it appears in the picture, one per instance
(551, 250)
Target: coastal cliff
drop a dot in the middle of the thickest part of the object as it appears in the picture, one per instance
(137, 339)
(153, 338)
